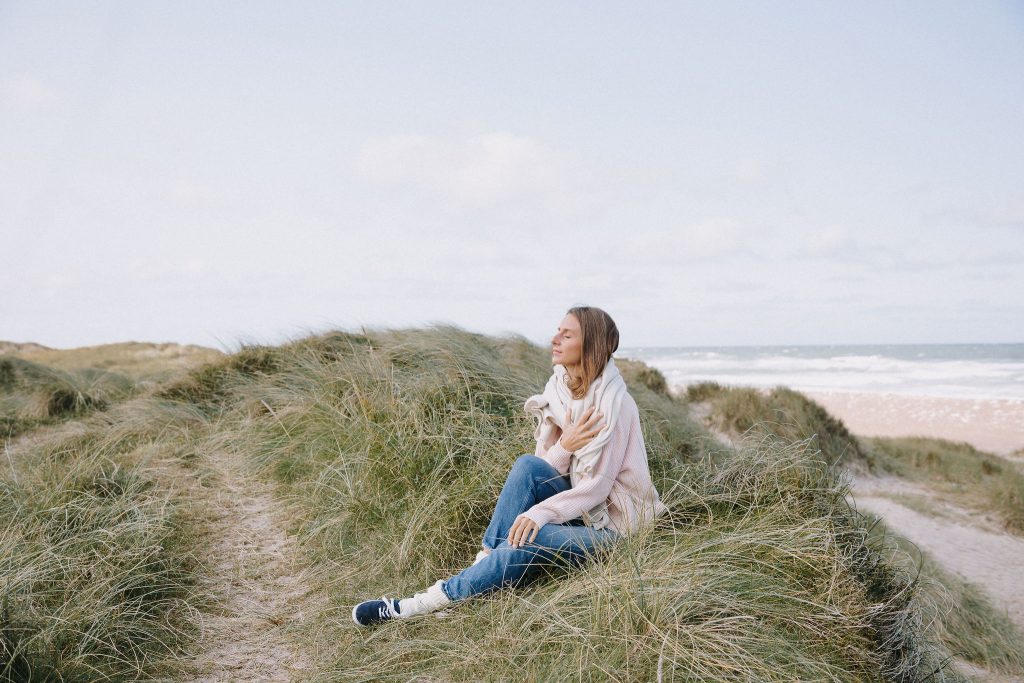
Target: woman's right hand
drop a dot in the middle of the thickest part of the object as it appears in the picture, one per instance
(576, 436)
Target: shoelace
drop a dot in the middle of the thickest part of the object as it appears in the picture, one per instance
(387, 610)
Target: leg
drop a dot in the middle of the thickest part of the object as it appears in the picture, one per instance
(566, 544)
(530, 481)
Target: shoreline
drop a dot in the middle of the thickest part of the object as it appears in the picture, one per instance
(994, 425)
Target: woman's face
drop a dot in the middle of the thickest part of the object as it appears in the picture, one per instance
(567, 344)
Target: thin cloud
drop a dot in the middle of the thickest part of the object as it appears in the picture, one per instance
(478, 171)
(27, 91)
(749, 170)
(1008, 215)
(831, 239)
(710, 239)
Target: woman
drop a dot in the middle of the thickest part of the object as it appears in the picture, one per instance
(586, 485)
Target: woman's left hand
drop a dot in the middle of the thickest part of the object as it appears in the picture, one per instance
(523, 531)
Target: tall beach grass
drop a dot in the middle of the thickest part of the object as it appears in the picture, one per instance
(389, 448)
(32, 395)
(97, 551)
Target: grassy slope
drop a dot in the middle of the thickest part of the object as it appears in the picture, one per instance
(785, 413)
(959, 614)
(391, 448)
(97, 550)
(41, 386)
(137, 360)
(33, 395)
(972, 478)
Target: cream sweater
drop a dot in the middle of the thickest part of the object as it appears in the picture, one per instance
(617, 481)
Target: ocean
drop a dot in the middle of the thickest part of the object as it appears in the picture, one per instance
(977, 371)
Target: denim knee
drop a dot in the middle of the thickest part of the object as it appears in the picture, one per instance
(528, 461)
(528, 466)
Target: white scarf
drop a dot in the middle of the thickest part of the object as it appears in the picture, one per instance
(606, 392)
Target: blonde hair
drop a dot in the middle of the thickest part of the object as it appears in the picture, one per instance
(600, 341)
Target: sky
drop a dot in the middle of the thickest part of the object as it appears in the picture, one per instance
(709, 173)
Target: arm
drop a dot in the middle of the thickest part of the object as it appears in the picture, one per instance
(553, 453)
(589, 492)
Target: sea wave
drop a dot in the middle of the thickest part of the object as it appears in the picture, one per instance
(915, 371)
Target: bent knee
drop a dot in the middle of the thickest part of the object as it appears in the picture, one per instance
(529, 461)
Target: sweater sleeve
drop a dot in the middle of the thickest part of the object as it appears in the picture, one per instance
(593, 490)
(556, 456)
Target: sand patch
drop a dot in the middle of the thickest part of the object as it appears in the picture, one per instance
(990, 425)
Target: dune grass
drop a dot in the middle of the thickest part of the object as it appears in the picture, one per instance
(390, 448)
(783, 412)
(751, 578)
(971, 477)
(41, 386)
(958, 614)
(96, 554)
(32, 395)
(140, 361)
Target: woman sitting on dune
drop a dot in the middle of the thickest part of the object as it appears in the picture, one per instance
(586, 484)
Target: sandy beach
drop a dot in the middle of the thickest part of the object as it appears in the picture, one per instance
(991, 425)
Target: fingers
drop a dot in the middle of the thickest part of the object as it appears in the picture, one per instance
(578, 435)
(523, 531)
(591, 425)
(588, 415)
(514, 532)
(585, 436)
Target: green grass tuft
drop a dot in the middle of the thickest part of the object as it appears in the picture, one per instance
(784, 413)
(97, 571)
(703, 391)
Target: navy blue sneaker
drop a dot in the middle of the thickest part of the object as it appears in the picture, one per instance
(373, 612)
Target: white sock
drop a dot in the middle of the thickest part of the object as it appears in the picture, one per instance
(423, 603)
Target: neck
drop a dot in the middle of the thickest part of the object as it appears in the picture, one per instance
(575, 371)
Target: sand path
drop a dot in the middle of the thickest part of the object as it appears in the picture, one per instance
(989, 559)
(264, 597)
(961, 541)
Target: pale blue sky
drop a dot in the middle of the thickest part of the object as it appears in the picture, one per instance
(709, 173)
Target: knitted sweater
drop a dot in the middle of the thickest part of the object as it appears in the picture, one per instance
(620, 476)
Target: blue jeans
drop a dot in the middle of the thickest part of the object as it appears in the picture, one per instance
(530, 481)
